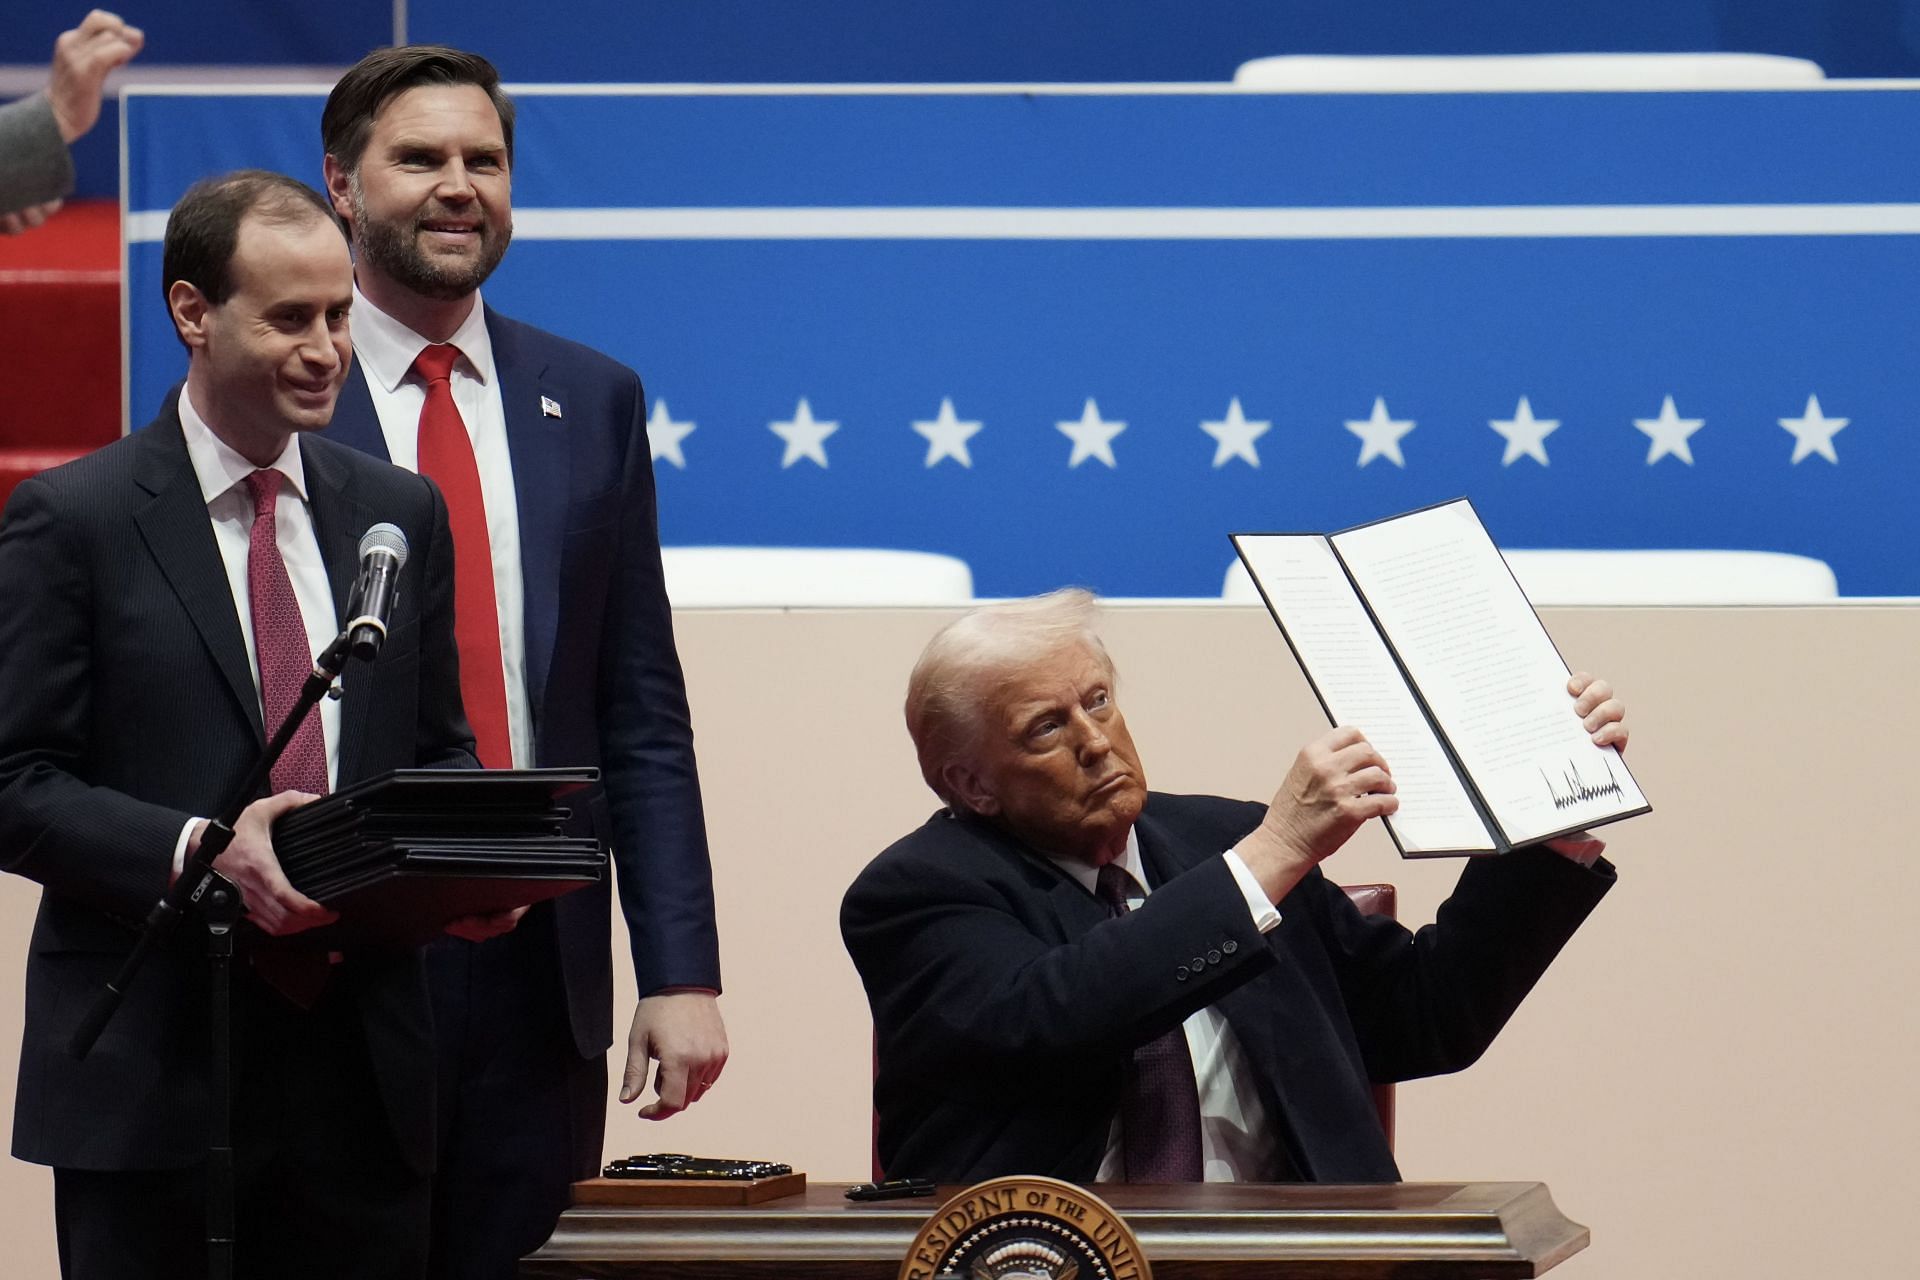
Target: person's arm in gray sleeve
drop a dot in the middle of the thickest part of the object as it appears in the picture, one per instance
(34, 164)
(35, 168)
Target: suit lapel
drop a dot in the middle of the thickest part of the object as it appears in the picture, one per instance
(537, 444)
(1079, 911)
(338, 521)
(178, 534)
(1073, 907)
(1164, 854)
(355, 423)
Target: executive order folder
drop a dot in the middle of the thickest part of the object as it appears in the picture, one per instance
(401, 855)
(1413, 630)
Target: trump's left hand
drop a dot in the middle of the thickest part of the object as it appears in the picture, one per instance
(1601, 713)
(684, 1031)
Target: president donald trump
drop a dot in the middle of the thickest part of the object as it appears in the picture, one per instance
(1073, 975)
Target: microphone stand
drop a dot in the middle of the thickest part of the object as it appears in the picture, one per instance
(220, 905)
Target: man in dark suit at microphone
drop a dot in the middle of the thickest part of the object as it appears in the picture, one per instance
(165, 597)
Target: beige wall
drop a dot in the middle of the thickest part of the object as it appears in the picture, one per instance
(1714, 1077)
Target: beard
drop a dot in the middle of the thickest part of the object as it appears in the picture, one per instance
(392, 248)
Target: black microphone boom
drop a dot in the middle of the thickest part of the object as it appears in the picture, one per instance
(383, 550)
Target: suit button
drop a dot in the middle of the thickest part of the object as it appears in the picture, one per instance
(1199, 963)
(1229, 946)
(1181, 974)
(1213, 957)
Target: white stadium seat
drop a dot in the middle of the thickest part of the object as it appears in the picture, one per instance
(774, 577)
(1645, 577)
(1671, 577)
(1525, 73)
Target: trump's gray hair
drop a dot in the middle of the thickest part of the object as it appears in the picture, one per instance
(950, 685)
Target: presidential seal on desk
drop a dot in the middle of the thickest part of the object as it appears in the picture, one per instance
(1025, 1229)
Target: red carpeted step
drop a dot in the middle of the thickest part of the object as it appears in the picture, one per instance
(60, 336)
(18, 464)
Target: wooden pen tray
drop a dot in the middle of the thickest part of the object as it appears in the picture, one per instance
(643, 1192)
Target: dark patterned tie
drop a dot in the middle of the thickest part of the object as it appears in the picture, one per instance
(281, 647)
(446, 455)
(1160, 1108)
(280, 644)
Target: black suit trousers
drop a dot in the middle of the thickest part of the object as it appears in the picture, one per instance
(522, 1116)
(322, 1192)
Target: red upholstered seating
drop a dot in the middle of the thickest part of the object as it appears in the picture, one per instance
(1378, 900)
(59, 340)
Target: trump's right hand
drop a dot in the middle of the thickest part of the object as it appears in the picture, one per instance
(1337, 782)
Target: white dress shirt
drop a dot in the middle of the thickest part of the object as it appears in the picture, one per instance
(1236, 1142)
(222, 474)
(386, 350)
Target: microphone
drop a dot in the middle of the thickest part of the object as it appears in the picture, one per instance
(383, 550)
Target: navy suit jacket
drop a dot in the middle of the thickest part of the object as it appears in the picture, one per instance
(1007, 1002)
(127, 706)
(603, 677)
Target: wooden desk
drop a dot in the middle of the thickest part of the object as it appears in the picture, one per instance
(1406, 1231)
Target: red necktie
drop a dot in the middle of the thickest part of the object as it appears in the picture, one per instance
(1160, 1108)
(280, 644)
(446, 455)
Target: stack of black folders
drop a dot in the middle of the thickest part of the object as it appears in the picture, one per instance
(401, 855)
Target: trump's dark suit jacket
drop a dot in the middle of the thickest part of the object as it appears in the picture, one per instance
(603, 677)
(1007, 1003)
(127, 706)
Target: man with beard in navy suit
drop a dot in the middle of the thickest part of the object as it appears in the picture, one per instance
(566, 649)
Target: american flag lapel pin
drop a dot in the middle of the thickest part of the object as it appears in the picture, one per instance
(549, 407)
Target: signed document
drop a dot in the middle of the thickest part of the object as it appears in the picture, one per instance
(1413, 630)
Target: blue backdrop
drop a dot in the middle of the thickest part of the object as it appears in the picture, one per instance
(1020, 255)
(1125, 40)
(886, 41)
(807, 41)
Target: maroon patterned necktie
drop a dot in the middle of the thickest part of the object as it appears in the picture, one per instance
(1160, 1107)
(280, 644)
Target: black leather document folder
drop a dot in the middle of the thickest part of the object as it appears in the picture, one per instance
(401, 855)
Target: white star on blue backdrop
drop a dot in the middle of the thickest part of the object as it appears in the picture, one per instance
(805, 437)
(1669, 433)
(1380, 435)
(664, 435)
(1525, 434)
(1813, 432)
(947, 436)
(1092, 437)
(1234, 437)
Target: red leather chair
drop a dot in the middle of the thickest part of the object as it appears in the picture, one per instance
(1372, 900)
(1378, 900)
